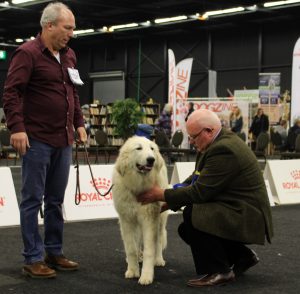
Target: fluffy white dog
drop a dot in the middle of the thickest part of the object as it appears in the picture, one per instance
(143, 228)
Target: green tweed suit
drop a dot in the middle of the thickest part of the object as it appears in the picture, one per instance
(229, 197)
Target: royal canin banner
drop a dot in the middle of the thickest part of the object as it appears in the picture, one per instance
(179, 81)
(92, 205)
(284, 180)
(295, 99)
(9, 209)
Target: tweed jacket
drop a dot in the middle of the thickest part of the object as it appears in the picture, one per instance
(229, 197)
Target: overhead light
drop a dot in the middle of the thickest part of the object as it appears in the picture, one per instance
(83, 32)
(170, 19)
(19, 40)
(252, 8)
(146, 23)
(220, 12)
(8, 45)
(103, 29)
(21, 1)
(194, 16)
(280, 3)
(124, 26)
(4, 4)
(107, 74)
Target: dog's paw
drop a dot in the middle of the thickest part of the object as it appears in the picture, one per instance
(146, 279)
(131, 274)
(160, 262)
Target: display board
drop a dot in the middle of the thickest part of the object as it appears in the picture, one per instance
(9, 209)
(107, 91)
(284, 180)
(92, 205)
(181, 171)
(270, 195)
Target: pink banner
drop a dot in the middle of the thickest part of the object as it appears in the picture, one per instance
(172, 77)
(179, 81)
(183, 76)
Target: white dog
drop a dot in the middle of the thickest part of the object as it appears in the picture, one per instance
(138, 167)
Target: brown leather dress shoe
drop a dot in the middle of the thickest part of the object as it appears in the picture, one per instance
(244, 264)
(212, 280)
(60, 262)
(38, 270)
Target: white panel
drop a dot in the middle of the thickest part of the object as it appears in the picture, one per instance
(9, 209)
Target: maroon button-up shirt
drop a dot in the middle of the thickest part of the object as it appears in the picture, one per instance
(39, 97)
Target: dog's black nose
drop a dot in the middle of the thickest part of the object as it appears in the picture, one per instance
(150, 160)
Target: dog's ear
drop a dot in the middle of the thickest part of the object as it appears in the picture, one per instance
(121, 164)
(160, 160)
(161, 169)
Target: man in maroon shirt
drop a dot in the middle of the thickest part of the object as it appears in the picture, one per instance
(42, 110)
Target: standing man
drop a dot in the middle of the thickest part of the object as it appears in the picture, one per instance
(42, 109)
(226, 203)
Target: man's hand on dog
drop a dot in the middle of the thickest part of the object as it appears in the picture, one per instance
(153, 195)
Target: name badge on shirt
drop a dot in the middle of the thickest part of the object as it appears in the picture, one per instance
(74, 76)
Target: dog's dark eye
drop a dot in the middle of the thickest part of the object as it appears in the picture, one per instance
(152, 148)
(139, 148)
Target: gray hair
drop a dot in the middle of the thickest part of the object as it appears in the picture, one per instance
(168, 108)
(52, 12)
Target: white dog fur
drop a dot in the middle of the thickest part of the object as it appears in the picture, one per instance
(143, 228)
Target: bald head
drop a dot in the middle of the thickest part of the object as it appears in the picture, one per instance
(203, 126)
(203, 118)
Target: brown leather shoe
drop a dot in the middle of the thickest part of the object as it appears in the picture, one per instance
(60, 262)
(38, 270)
(212, 280)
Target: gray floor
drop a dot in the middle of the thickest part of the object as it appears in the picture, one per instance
(98, 247)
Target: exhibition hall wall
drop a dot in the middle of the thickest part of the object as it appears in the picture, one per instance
(238, 54)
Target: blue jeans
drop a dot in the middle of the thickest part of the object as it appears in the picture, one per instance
(45, 174)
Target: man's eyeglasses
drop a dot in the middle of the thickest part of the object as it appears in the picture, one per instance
(194, 137)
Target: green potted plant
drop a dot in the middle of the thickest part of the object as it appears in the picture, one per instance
(126, 115)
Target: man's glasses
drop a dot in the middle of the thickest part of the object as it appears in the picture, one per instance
(194, 137)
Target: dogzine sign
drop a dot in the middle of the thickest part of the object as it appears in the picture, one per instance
(92, 205)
